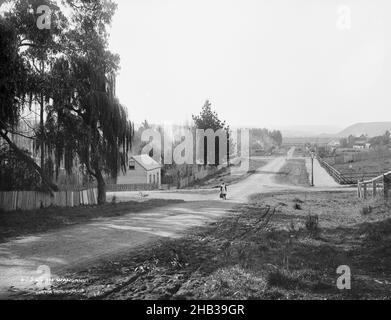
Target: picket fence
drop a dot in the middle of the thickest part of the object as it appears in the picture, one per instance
(30, 200)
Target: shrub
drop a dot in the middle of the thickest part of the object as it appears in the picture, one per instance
(283, 279)
(374, 235)
(312, 224)
(297, 200)
(366, 210)
(296, 206)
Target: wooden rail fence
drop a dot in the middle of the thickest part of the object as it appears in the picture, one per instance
(379, 186)
(337, 176)
(341, 178)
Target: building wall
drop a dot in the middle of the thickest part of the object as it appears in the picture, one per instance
(154, 176)
(138, 175)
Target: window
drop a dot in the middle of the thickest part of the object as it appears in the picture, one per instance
(150, 178)
(154, 179)
(131, 164)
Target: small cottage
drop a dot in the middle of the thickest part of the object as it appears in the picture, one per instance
(141, 169)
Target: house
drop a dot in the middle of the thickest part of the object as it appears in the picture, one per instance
(359, 146)
(141, 169)
(334, 144)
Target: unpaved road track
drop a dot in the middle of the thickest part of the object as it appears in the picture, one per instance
(87, 243)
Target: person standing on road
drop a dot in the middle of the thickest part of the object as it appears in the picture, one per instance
(223, 191)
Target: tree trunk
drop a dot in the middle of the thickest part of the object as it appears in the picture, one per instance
(101, 187)
(41, 125)
(51, 186)
(42, 143)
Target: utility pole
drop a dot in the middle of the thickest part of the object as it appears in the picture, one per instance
(312, 170)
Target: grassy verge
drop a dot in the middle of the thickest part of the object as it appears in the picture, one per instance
(268, 251)
(294, 172)
(22, 223)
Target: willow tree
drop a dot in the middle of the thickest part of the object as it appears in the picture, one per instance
(86, 119)
(15, 92)
(26, 54)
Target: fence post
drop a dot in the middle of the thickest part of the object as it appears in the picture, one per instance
(359, 189)
(386, 184)
(374, 185)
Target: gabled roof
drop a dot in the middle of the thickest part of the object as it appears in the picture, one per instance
(146, 162)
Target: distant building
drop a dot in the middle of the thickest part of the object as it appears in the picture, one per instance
(359, 147)
(334, 144)
(141, 169)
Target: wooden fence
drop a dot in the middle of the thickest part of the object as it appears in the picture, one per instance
(131, 187)
(379, 186)
(30, 200)
(345, 179)
(338, 176)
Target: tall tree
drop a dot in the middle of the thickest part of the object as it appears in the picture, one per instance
(27, 57)
(71, 73)
(15, 88)
(86, 118)
(208, 119)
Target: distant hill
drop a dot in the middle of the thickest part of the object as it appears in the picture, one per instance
(372, 129)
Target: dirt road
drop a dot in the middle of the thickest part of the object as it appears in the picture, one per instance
(261, 181)
(83, 244)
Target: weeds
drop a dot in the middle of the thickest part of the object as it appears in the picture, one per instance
(374, 235)
(296, 206)
(365, 210)
(283, 279)
(312, 224)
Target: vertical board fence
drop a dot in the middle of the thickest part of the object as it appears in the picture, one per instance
(30, 200)
(131, 187)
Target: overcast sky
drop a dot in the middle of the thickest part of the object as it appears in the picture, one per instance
(261, 63)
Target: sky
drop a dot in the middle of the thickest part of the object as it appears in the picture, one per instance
(319, 64)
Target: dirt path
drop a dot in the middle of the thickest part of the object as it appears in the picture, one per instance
(84, 244)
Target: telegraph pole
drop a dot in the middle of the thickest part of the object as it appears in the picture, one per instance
(312, 170)
(312, 165)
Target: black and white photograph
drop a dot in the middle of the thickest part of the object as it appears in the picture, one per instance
(195, 155)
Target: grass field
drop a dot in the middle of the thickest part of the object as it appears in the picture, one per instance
(22, 223)
(378, 166)
(294, 172)
(269, 251)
